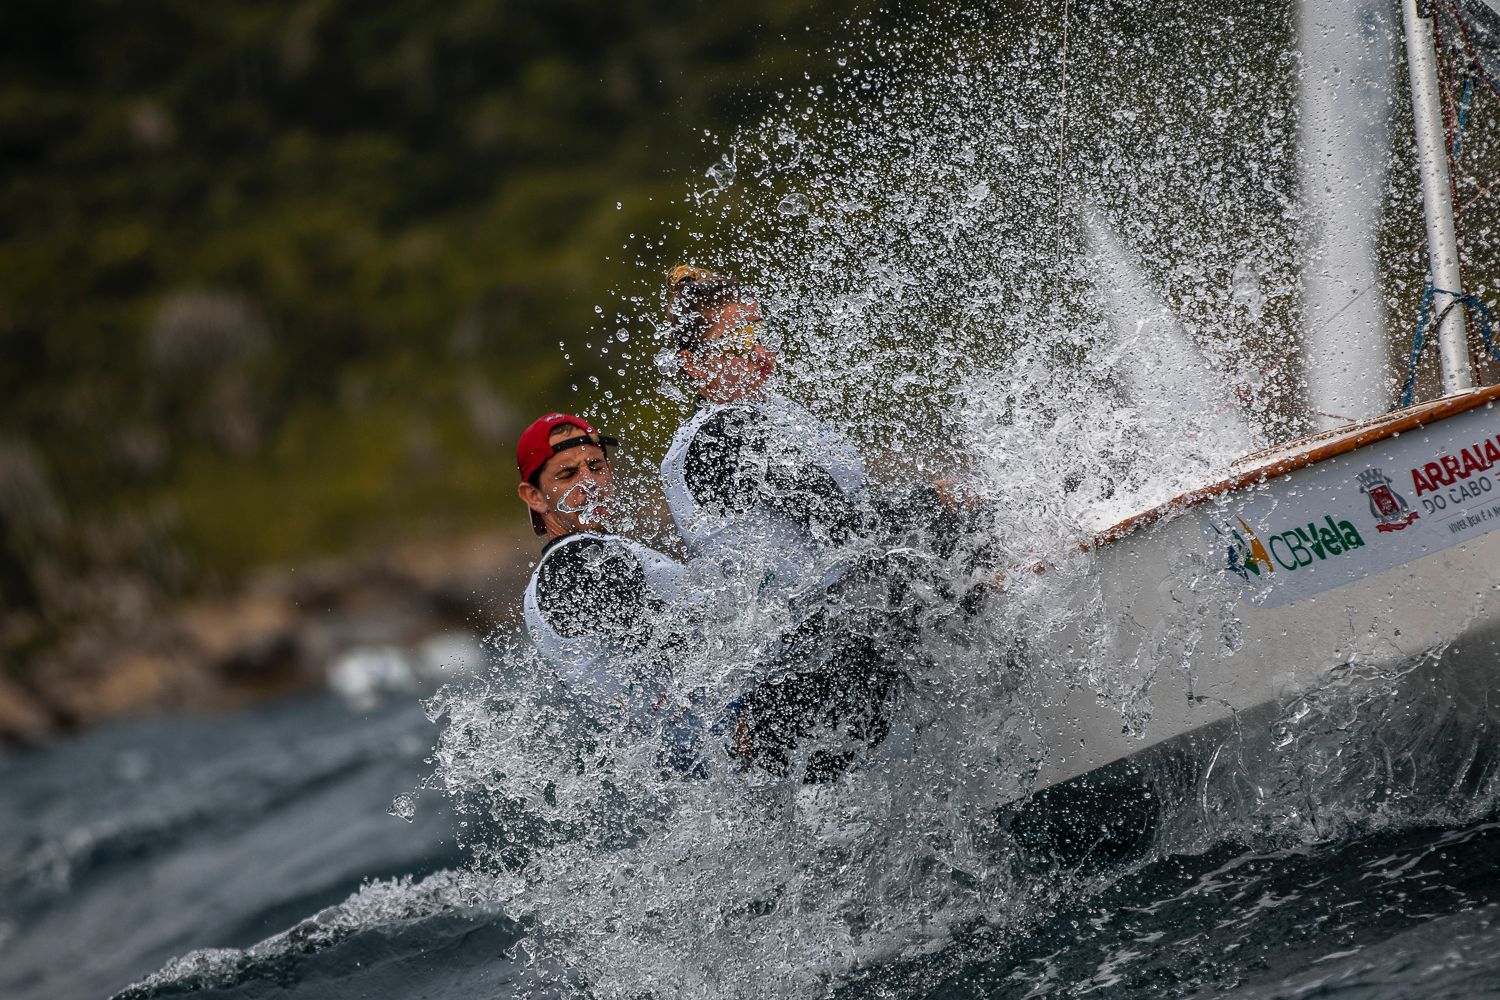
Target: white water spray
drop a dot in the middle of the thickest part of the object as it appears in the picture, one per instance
(900, 229)
(1188, 406)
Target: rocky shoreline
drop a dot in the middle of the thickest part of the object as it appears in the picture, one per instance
(281, 633)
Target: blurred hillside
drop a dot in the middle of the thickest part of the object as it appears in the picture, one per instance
(280, 280)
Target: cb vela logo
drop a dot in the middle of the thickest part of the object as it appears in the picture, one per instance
(1389, 508)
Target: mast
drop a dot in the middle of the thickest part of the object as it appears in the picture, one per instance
(1437, 199)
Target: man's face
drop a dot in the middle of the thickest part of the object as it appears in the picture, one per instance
(733, 360)
(572, 490)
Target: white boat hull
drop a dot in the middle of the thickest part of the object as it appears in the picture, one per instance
(1230, 602)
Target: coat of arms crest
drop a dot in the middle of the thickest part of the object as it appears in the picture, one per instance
(1389, 508)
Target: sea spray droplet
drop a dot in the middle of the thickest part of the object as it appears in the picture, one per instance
(722, 173)
(793, 204)
(404, 807)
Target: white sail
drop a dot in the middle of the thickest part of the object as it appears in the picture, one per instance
(1348, 70)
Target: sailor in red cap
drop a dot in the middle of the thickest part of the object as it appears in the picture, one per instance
(595, 606)
(565, 474)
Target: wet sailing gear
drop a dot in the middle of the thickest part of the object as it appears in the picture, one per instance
(835, 690)
(764, 487)
(593, 608)
(609, 614)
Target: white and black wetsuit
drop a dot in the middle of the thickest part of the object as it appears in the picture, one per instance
(765, 490)
(775, 497)
(608, 614)
(595, 611)
(767, 478)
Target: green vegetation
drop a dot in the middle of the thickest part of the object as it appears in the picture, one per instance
(280, 278)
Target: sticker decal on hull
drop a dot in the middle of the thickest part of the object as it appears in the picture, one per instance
(1345, 518)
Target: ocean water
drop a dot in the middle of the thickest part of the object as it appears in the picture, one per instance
(131, 845)
(253, 856)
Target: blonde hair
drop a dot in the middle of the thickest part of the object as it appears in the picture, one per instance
(692, 292)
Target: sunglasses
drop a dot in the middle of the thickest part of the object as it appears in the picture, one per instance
(740, 342)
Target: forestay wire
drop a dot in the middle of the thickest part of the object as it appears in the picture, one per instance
(1062, 134)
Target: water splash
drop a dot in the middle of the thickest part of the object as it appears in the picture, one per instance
(966, 308)
(379, 905)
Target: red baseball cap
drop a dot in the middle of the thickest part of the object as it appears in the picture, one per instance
(535, 447)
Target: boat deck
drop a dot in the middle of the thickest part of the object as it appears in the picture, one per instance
(1261, 466)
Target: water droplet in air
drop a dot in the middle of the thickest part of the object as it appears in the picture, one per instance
(722, 173)
(793, 204)
(404, 807)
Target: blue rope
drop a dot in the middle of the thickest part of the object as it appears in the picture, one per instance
(1470, 302)
(1484, 325)
(1416, 346)
(1463, 119)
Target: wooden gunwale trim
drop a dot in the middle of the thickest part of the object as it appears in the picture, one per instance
(1321, 448)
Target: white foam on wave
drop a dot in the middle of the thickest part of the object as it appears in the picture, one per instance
(380, 904)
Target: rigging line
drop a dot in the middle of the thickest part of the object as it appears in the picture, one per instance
(1464, 104)
(1470, 302)
(1463, 30)
(1357, 296)
(1475, 200)
(1443, 58)
(1463, 115)
(1479, 196)
(1452, 130)
(1062, 133)
(1415, 249)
